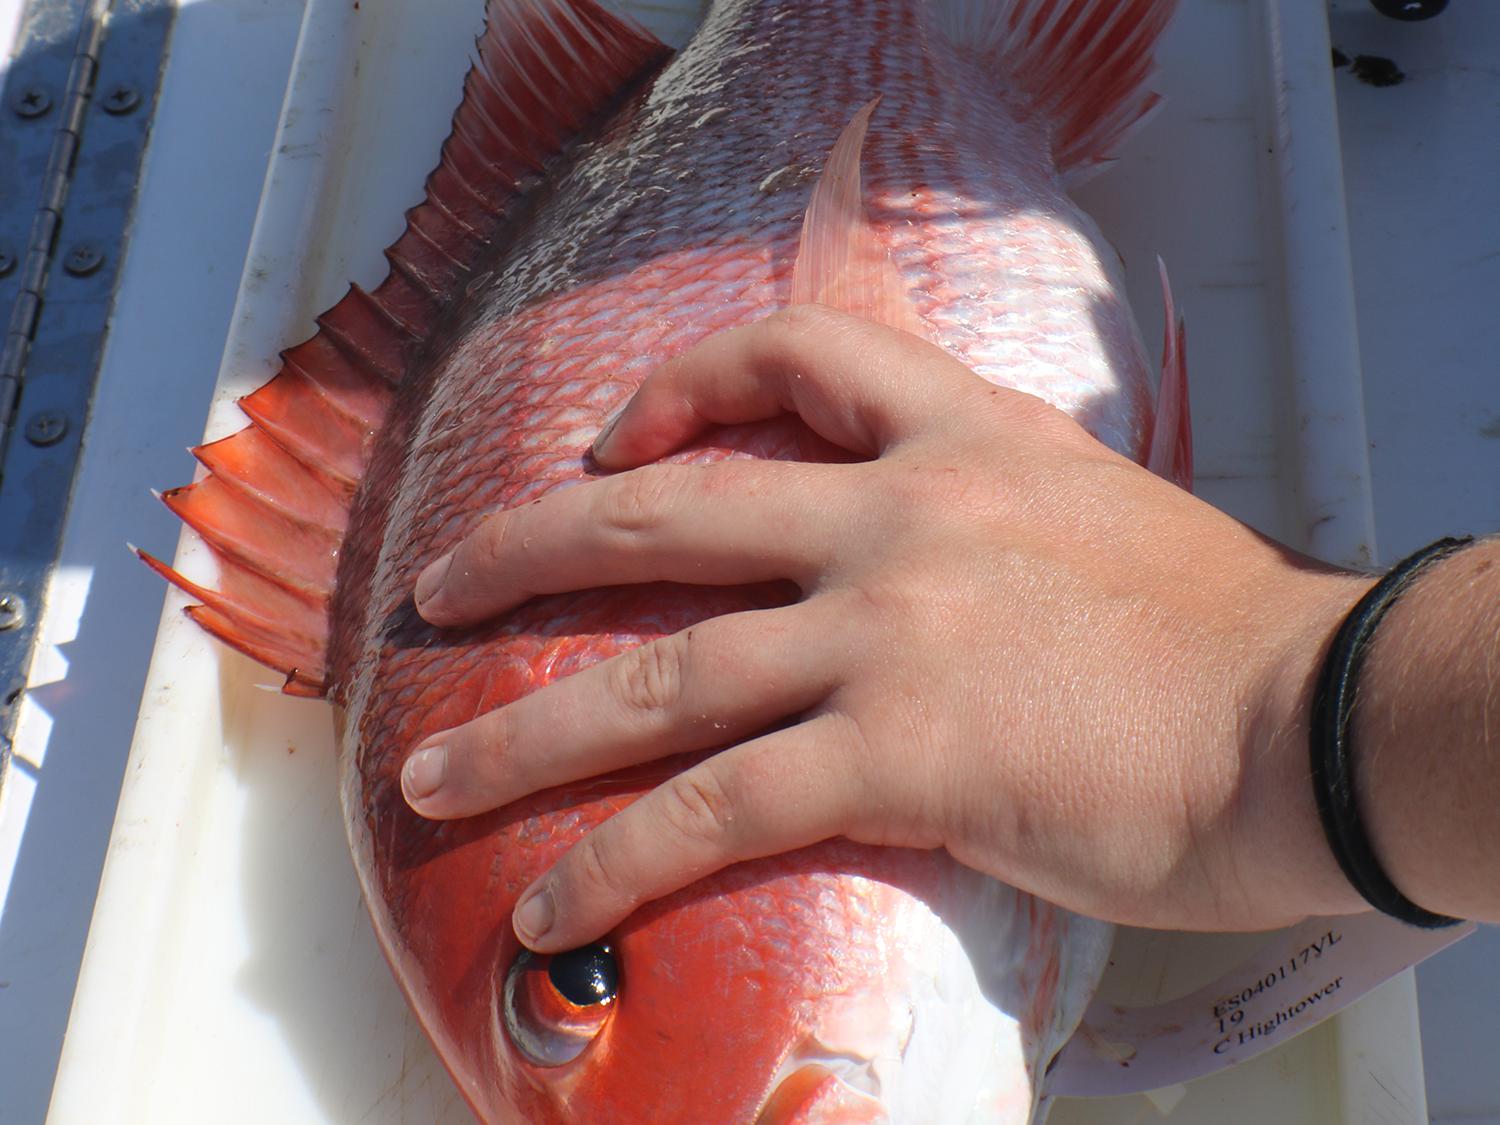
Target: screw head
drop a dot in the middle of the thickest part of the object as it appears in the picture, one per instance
(1410, 10)
(12, 611)
(46, 427)
(121, 100)
(83, 259)
(31, 101)
(7, 261)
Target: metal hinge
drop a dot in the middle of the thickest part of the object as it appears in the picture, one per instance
(79, 95)
(28, 103)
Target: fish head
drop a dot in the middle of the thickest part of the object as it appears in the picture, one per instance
(835, 984)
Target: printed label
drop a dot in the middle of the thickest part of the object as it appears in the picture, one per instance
(1299, 978)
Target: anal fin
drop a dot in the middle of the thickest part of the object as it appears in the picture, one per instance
(274, 503)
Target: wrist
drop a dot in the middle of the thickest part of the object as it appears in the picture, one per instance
(1281, 849)
(1425, 784)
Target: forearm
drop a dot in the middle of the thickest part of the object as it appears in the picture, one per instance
(1426, 737)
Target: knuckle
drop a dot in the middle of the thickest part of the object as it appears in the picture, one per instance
(640, 501)
(855, 736)
(698, 806)
(914, 499)
(797, 338)
(496, 534)
(1020, 410)
(491, 759)
(943, 494)
(875, 603)
(649, 679)
(595, 874)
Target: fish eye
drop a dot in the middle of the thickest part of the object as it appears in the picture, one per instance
(554, 1007)
(585, 976)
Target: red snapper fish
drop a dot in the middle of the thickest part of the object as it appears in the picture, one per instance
(602, 204)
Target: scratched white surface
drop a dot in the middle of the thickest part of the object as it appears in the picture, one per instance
(1422, 231)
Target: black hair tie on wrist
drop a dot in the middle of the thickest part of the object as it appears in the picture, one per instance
(1332, 763)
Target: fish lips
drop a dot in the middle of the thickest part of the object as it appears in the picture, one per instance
(817, 1093)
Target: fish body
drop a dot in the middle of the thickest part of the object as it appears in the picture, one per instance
(667, 201)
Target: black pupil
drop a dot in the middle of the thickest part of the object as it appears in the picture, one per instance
(585, 976)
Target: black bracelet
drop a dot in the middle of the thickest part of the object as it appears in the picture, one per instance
(1332, 763)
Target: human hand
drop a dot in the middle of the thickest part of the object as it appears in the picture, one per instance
(1012, 643)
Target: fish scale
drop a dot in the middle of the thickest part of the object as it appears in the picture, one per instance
(601, 208)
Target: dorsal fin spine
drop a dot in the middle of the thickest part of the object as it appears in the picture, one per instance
(321, 462)
(449, 169)
(420, 284)
(419, 219)
(292, 369)
(235, 463)
(399, 324)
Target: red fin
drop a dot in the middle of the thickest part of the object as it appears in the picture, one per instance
(259, 535)
(1171, 448)
(269, 653)
(257, 618)
(1083, 63)
(253, 461)
(841, 260)
(275, 503)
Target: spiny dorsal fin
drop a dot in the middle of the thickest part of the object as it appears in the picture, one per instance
(1171, 447)
(275, 501)
(1084, 64)
(842, 260)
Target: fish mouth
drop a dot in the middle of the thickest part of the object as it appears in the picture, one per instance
(838, 1091)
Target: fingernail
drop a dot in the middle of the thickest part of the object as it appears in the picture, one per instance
(609, 427)
(534, 914)
(424, 772)
(430, 581)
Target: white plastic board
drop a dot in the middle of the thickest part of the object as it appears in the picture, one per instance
(1421, 171)
(199, 193)
(230, 970)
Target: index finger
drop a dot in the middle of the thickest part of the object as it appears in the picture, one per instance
(773, 794)
(858, 384)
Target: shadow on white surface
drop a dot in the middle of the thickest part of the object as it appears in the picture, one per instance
(309, 960)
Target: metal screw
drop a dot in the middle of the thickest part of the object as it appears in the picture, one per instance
(121, 100)
(32, 101)
(12, 611)
(7, 261)
(83, 259)
(46, 427)
(1410, 10)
